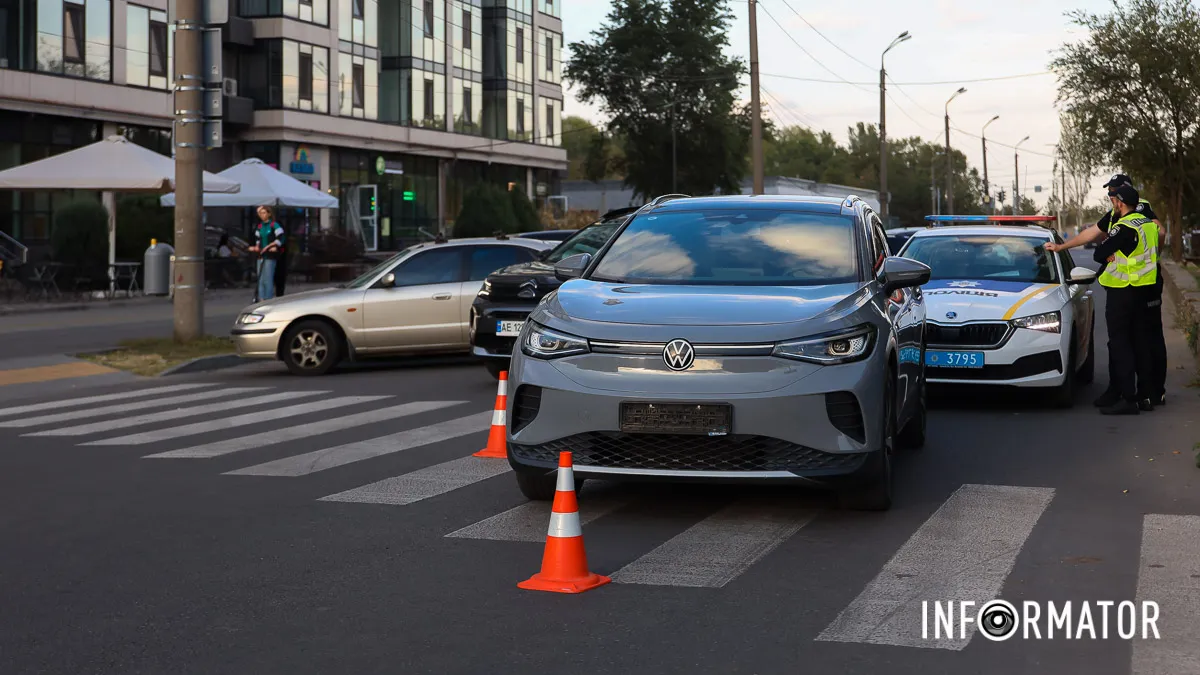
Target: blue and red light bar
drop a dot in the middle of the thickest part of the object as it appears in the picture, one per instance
(991, 219)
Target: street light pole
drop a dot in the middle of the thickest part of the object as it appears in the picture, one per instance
(949, 158)
(756, 157)
(1016, 175)
(987, 191)
(189, 139)
(883, 151)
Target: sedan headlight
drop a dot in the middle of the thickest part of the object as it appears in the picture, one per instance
(544, 343)
(251, 318)
(1050, 322)
(842, 347)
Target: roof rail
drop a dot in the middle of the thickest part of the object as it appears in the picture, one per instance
(980, 219)
(850, 199)
(666, 198)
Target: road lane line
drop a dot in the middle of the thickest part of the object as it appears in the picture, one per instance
(320, 460)
(266, 438)
(234, 422)
(428, 482)
(527, 522)
(964, 551)
(86, 400)
(177, 413)
(719, 548)
(1169, 574)
(126, 407)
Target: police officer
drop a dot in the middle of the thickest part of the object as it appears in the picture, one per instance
(1131, 254)
(1156, 388)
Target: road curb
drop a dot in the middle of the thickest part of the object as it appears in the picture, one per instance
(205, 364)
(1185, 292)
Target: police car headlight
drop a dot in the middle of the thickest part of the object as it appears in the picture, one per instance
(843, 347)
(544, 343)
(1050, 322)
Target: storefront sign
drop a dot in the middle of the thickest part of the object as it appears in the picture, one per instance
(541, 189)
(387, 166)
(300, 164)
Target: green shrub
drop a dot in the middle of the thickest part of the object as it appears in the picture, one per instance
(141, 218)
(526, 215)
(80, 237)
(486, 210)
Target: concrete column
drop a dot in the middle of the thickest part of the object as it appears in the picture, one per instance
(119, 41)
(448, 46)
(323, 169)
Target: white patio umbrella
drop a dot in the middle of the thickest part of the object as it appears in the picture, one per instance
(264, 185)
(112, 165)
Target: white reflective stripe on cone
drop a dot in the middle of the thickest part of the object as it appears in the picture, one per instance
(564, 526)
(503, 387)
(498, 419)
(566, 479)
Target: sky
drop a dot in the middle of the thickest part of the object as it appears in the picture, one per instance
(953, 41)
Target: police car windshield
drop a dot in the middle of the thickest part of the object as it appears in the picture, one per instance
(985, 257)
(733, 247)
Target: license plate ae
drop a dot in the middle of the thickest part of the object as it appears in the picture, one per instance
(509, 328)
(677, 418)
(954, 359)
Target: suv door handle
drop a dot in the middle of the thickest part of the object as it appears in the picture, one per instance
(442, 296)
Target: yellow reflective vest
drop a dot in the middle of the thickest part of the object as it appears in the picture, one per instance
(1140, 267)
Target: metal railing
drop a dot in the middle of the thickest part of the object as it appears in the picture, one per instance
(12, 250)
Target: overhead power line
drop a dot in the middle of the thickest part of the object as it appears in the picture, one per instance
(908, 84)
(814, 28)
(841, 80)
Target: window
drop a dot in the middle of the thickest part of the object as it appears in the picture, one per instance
(488, 259)
(520, 116)
(520, 45)
(428, 18)
(994, 258)
(467, 105)
(436, 266)
(428, 99)
(549, 53)
(733, 247)
(306, 77)
(158, 49)
(466, 29)
(306, 3)
(358, 85)
(549, 131)
(147, 47)
(73, 32)
(588, 240)
(356, 7)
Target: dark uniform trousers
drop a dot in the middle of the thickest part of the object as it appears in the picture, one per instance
(1156, 342)
(1130, 361)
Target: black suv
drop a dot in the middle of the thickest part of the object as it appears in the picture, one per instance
(510, 294)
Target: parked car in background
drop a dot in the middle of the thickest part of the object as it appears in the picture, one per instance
(898, 237)
(510, 294)
(549, 235)
(417, 301)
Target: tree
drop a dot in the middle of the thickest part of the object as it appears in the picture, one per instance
(524, 215)
(1150, 125)
(486, 210)
(1081, 156)
(658, 66)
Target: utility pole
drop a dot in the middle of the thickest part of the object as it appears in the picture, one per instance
(933, 195)
(987, 191)
(674, 163)
(1016, 181)
(756, 156)
(883, 151)
(949, 157)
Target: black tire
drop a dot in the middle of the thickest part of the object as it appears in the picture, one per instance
(311, 348)
(539, 485)
(875, 493)
(1064, 394)
(1087, 371)
(912, 436)
(495, 367)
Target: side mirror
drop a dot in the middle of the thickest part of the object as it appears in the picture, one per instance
(1081, 275)
(572, 267)
(388, 281)
(897, 273)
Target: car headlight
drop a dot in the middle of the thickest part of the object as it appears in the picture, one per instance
(486, 289)
(544, 343)
(251, 318)
(1050, 322)
(842, 347)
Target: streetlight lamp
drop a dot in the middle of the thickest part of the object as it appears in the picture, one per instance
(1016, 177)
(987, 193)
(949, 159)
(883, 191)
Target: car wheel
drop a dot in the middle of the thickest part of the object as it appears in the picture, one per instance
(1087, 371)
(912, 436)
(1064, 394)
(496, 368)
(875, 494)
(539, 485)
(311, 348)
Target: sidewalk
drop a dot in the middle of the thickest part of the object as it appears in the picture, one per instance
(88, 303)
(23, 378)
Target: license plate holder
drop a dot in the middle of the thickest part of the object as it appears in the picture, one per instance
(695, 419)
(508, 328)
(954, 359)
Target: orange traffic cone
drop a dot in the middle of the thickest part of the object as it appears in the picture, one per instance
(564, 564)
(497, 445)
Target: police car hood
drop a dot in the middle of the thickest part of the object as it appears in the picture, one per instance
(959, 300)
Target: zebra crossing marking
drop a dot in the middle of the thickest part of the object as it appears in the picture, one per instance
(964, 551)
(226, 423)
(719, 548)
(103, 398)
(126, 407)
(178, 413)
(425, 483)
(1169, 574)
(328, 458)
(527, 522)
(266, 438)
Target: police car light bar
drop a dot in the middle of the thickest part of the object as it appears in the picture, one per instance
(990, 219)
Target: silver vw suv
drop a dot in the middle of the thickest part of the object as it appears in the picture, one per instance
(727, 339)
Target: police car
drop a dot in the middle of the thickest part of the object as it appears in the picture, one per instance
(1001, 309)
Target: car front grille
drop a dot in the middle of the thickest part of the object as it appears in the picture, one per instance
(967, 335)
(670, 452)
(1026, 366)
(510, 291)
(845, 414)
(526, 405)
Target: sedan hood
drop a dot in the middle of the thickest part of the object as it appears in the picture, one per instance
(956, 301)
(295, 298)
(667, 305)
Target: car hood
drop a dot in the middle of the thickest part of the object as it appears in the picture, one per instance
(523, 271)
(956, 301)
(297, 298)
(669, 305)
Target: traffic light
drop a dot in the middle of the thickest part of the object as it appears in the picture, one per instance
(1000, 196)
(372, 203)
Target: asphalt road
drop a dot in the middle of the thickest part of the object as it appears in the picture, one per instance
(362, 538)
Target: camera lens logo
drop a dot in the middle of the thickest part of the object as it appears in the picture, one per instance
(998, 620)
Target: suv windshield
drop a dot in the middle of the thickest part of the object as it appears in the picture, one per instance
(588, 240)
(985, 257)
(744, 247)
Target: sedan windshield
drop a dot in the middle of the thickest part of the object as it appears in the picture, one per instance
(741, 247)
(366, 278)
(588, 240)
(988, 256)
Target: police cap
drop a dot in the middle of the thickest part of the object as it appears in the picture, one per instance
(1128, 195)
(1117, 180)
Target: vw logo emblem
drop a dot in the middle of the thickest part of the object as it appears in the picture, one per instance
(951, 315)
(679, 355)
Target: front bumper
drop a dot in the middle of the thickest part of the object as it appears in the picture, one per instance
(818, 426)
(257, 341)
(1028, 358)
(485, 344)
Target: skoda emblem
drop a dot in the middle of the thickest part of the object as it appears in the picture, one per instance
(951, 315)
(679, 355)
(528, 290)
